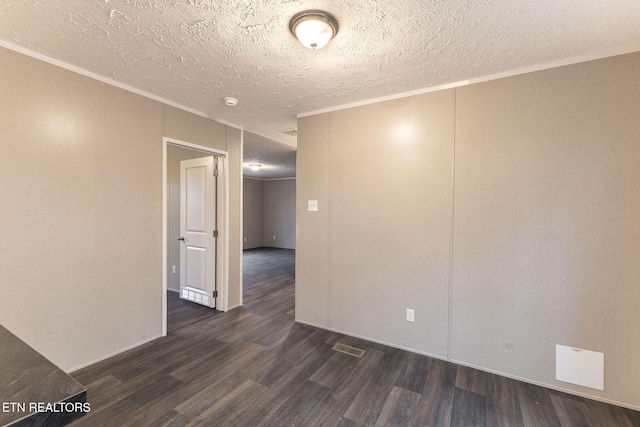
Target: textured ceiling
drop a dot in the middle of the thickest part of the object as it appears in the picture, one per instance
(277, 160)
(196, 52)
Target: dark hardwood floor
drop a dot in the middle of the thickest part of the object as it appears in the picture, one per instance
(266, 270)
(253, 366)
(181, 313)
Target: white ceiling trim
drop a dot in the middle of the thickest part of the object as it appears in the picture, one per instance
(386, 98)
(515, 72)
(511, 73)
(111, 82)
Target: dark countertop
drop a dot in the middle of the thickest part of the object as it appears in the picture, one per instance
(29, 383)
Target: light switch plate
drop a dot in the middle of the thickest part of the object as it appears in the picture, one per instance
(411, 315)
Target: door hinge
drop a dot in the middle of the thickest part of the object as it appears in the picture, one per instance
(215, 172)
(214, 294)
(215, 233)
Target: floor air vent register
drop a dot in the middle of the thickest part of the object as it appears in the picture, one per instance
(351, 351)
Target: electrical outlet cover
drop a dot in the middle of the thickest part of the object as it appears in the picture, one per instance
(411, 315)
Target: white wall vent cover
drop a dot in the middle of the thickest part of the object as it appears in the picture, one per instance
(581, 367)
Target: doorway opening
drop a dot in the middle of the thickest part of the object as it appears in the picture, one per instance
(269, 217)
(195, 233)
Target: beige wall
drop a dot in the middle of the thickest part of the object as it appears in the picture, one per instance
(280, 213)
(187, 127)
(544, 246)
(547, 237)
(391, 180)
(253, 213)
(313, 244)
(81, 213)
(234, 148)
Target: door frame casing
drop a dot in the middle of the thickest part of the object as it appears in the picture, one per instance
(222, 302)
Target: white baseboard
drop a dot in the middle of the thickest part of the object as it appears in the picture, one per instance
(549, 386)
(480, 368)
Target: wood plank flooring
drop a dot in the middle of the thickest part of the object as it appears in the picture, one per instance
(266, 270)
(181, 313)
(254, 366)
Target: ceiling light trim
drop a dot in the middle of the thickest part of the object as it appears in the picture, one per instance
(314, 28)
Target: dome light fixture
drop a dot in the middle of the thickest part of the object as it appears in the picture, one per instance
(313, 28)
(230, 102)
(255, 166)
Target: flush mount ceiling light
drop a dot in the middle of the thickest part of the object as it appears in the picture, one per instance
(231, 102)
(255, 166)
(313, 28)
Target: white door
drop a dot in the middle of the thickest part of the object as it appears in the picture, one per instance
(198, 230)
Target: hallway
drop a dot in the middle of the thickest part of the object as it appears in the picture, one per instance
(264, 270)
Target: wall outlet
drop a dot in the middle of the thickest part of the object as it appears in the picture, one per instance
(274, 237)
(411, 315)
(174, 269)
(245, 239)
